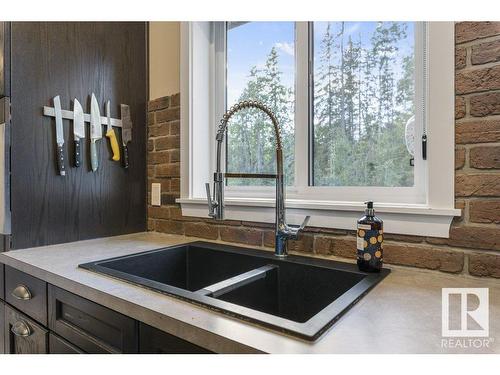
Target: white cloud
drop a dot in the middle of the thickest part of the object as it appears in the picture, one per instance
(285, 47)
(353, 28)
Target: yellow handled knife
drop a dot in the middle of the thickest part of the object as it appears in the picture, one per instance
(110, 133)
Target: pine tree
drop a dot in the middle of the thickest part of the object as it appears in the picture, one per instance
(326, 109)
(351, 89)
(251, 138)
(384, 41)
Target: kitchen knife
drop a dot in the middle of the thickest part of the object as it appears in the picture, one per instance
(126, 131)
(78, 131)
(95, 131)
(110, 133)
(59, 136)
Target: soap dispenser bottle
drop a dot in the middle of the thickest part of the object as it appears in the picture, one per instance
(370, 240)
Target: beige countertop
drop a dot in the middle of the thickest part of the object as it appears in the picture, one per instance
(400, 315)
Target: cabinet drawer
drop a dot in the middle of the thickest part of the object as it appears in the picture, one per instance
(2, 287)
(89, 326)
(23, 335)
(58, 345)
(27, 293)
(154, 341)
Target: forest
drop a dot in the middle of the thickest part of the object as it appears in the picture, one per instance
(363, 97)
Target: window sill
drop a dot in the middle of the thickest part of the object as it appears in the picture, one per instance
(411, 219)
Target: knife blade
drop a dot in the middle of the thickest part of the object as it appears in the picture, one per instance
(110, 133)
(59, 136)
(126, 131)
(78, 130)
(95, 131)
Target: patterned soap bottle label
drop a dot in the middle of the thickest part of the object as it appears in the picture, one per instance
(369, 244)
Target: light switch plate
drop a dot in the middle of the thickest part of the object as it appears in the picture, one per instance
(155, 194)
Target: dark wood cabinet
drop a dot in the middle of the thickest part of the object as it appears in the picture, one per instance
(26, 293)
(2, 325)
(56, 321)
(89, 326)
(58, 345)
(2, 288)
(23, 335)
(154, 341)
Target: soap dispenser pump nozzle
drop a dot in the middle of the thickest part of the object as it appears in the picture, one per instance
(369, 211)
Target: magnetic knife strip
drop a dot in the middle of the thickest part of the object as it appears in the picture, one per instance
(68, 115)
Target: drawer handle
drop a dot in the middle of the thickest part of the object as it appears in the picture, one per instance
(21, 329)
(22, 293)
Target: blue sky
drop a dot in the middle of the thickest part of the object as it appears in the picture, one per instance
(249, 44)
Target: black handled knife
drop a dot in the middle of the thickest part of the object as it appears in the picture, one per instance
(59, 136)
(78, 131)
(126, 132)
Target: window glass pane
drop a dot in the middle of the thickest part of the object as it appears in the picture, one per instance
(260, 66)
(363, 100)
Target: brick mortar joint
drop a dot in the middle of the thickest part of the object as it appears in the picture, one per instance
(472, 120)
(465, 269)
(476, 67)
(473, 171)
(469, 146)
(155, 110)
(164, 123)
(479, 225)
(166, 136)
(476, 42)
(472, 199)
(467, 107)
(468, 57)
(475, 94)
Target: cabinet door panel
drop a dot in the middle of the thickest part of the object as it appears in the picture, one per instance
(58, 345)
(89, 326)
(23, 335)
(154, 341)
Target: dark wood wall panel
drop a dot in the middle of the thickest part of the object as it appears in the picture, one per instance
(74, 60)
(4, 59)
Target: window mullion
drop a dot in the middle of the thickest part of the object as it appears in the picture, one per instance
(218, 84)
(301, 104)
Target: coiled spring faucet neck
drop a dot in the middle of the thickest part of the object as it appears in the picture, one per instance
(244, 105)
(283, 231)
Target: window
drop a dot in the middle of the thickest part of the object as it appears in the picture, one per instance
(361, 91)
(353, 99)
(364, 94)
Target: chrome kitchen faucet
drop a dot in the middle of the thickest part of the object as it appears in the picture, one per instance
(283, 231)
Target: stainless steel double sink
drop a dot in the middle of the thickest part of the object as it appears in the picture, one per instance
(297, 295)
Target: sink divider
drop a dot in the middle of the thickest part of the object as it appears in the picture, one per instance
(228, 285)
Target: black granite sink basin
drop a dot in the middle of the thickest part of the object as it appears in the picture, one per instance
(294, 291)
(189, 267)
(297, 295)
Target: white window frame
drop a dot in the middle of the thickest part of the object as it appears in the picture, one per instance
(203, 103)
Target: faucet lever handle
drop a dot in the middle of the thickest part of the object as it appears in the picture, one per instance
(211, 208)
(294, 230)
(304, 223)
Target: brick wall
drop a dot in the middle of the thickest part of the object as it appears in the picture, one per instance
(474, 243)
